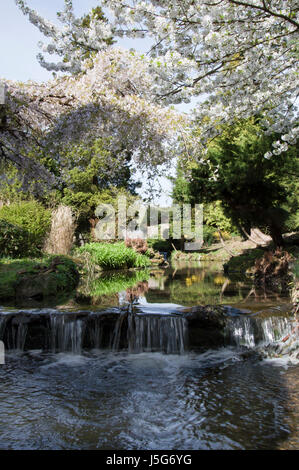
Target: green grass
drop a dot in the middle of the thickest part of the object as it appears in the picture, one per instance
(114, 256)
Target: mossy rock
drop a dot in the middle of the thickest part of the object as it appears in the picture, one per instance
(38, 280)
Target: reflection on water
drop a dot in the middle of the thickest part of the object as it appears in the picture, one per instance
(183, 284)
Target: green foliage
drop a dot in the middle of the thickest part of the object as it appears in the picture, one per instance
(23, 228)
(159, 244)
(114, 256)
(14, 240)
(253, 190)
(89, 173)
(181, 188)
(214, 216)
(93, 175)
(11, 185)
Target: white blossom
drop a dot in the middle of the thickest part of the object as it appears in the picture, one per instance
(240, 58)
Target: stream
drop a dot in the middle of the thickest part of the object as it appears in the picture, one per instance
(122, 370)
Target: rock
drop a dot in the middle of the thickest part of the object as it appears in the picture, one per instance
(207, 315)
(60, 275)
(206, 326)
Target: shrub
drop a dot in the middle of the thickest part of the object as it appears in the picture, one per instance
(24, 226)
(114, 256)
(60, 239)
(225, 235)
(214, 216)
(13, 240)
(159, 244)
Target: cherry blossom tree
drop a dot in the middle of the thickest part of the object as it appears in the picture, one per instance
(109, 99)
(238, 56)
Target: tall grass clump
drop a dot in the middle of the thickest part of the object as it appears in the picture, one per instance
(61, 236)
(114, 256)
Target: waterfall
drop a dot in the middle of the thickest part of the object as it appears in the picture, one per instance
(270, 335)
(66, 335)
(152, 333)
(17, 333)
(241, 331)
(125, 330)
(3, 319)
(96, 335)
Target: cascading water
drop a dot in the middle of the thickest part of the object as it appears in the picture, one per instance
(149, 333)
(125, 330)
(66, 335)
(271, 335)
(71, 332)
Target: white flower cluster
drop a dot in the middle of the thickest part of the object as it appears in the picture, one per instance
(239, 56)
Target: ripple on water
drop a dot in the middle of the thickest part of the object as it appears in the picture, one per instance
(110, 400)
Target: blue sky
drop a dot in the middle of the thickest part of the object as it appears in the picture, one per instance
(19, 38)
(19, 47)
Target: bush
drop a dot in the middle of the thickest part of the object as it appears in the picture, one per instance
(114, 256)
(13, 240)
(214, 216)
(159, 244)
(24, 226)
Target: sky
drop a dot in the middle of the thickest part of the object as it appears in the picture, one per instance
(19, 47)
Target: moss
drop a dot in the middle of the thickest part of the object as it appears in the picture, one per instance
(37, 278)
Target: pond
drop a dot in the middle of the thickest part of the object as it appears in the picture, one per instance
(116, 369)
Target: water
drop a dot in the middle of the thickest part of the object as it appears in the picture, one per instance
(129, 377)
(105, 400)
